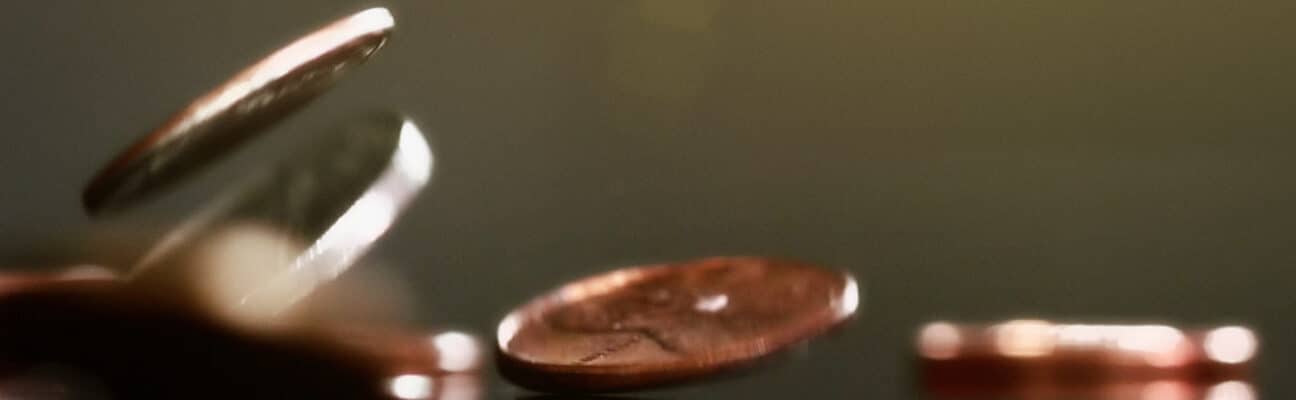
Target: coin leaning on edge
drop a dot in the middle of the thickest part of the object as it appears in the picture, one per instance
(658, 325)
(217, 122)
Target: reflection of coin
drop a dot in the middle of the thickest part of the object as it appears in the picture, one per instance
(655, 325)
(217, 122)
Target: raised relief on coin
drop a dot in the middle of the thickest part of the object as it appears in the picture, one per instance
(654, 325)
(216, 123)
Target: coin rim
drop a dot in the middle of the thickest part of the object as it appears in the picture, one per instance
(370, 27)
(610, 378)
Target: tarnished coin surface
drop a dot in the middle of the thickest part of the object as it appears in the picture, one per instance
(655, 325)
(216, 123)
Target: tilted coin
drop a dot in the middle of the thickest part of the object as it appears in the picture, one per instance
(253, 252)
(216, 123)
(654, 325)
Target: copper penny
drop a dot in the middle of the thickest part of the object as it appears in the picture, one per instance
(1034, 351)
(655, 325)
(178, 352)
(214, 124)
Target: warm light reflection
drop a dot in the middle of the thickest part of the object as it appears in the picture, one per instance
(711, 304)
(411, 387)
(459, 387)
(1024, 338)
(1082, 336)
(234, 262)
(508, 327)
(1160, 345)
(456, 351)
(1231, 390)
(1167, 390)
(850, 297)
(604, 284)
(1230, 344)
(939, 341)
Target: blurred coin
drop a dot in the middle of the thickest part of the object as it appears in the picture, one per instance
(438, 353)
(220, 120)
(1166, 389)
(654, 325)
(1040, 352)
(252, 253)
(128, 345)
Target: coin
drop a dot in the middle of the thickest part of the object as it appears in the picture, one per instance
(1044, 352)
(1161, 389)
(252, 252)
(655, 325)
(216, 123)
(87, 329)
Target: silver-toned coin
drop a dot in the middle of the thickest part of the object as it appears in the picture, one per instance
(216, 123)
(255, 251)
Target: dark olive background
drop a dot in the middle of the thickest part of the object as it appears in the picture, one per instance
(966, 159)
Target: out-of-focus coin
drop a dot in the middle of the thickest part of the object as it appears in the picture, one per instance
(252, 253)
(1161, 389)
(85, 328)
(216, 123)
(654, 325)
(442, 352)
(1036, 351)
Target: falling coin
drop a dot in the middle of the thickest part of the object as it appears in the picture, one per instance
(655, 325)
(1036, 351)
(252, 253)
(214, 124)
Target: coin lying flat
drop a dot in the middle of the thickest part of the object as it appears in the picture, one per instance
(88, 327)
(655, 325)
(1033, 352)
(214, 124)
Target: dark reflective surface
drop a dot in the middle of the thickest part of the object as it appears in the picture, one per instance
(969, 161)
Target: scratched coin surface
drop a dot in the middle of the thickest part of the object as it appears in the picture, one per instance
(655, 325)
(216, 123)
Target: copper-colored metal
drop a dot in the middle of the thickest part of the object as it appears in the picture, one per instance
(1167, 389)
(654, 325)
(216, 123)
(134, 344)
(1041, 352)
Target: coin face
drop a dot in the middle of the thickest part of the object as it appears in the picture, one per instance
(216, 123)
(655, 325)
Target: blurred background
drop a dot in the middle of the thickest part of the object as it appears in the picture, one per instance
(967, 160)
